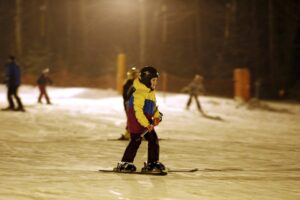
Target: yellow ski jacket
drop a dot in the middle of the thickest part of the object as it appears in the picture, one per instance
(142, 108)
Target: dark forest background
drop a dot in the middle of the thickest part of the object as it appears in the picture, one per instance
(79, 41)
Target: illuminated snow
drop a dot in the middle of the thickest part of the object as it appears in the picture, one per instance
(54, 152)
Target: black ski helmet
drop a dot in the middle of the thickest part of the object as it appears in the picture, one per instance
(146, 74)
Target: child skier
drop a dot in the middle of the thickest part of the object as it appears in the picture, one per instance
(131, 75)
(42, 83)
(143, 115)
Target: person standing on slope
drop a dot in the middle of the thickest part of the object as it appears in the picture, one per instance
(194, 89)
(127, 92)
(42, 83)
(13, 82)
(143, 116)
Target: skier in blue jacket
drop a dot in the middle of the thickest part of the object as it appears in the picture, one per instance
(13, 82)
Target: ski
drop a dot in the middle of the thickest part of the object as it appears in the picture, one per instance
(212, 117)
(174, 170)
(183, 170)
(13, 110)
(126, 140)
(163, 173)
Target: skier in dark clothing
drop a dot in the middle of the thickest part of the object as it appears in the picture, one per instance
(131, 75)
(143, 115)
(42, 83)
(127, 92)
(13, 81)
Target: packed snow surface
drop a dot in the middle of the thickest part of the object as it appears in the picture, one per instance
(54, 151)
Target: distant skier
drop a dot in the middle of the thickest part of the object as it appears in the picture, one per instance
(13, 81)
(42, 83)
(127, 92)
(143, 115)
(194, 89)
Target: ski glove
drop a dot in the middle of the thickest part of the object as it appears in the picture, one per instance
(156, 121)
(150, 128)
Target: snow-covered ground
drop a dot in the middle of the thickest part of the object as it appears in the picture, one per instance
(54, 152)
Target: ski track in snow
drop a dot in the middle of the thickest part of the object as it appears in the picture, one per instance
(54, 152)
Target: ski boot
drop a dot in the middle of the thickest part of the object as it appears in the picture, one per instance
(21, 109)
(8, 109)
(154, 167)
(125, 167)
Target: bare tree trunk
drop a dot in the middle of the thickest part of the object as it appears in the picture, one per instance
(18, 28)
(164, 32)
(142, 32)
(256, 74)
(83, 28)
(43, 10)
(197, 35)
(69, 33)
(230, 22)
(271, 46)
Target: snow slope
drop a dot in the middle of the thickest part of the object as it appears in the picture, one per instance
(54, 151)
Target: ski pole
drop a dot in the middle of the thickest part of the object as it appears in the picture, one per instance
(142, 135)
(146, 131)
